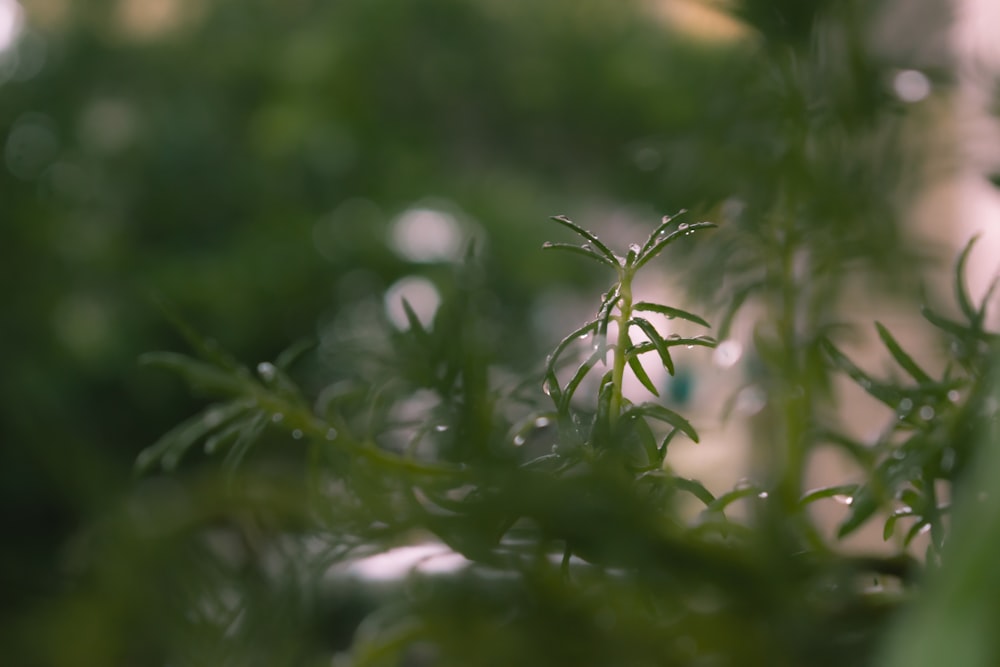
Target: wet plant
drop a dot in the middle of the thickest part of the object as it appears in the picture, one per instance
(569, 538)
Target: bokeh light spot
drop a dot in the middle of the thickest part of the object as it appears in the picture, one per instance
(420, 293)
(911, 85)
(426, 235)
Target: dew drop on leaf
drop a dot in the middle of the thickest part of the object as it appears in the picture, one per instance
(905, 406)
(277, 417)
(542, 422)
(518, 440)
(843, 499)
(441, 428)
(331, 433)
(683, 226)
(297, 434)
(953, 396)
(927, 413)
(266, 370)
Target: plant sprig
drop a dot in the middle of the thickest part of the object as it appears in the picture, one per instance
(617, 306)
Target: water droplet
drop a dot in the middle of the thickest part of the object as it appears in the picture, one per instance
(331, 433)
(905, 406)
(542, 422)
(547, 388)
(587, 246)
(519, 440)
(683, 226)
(673, 336)
(441, 428)
(762, 495)
(555, 449)
(267, 371)
(277, 417)
(843, 499)
(634, 247)
(297, 434)
(926, 413)
(953, 396)
(899, 454)
(690, 347)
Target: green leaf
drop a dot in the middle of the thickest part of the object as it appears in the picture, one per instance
(891, 396)
(640, 373)
(199, 375)
(671, 312)
(171, 447)
(293, 353)
(566, 222)
(728, 498)
(416, 326)
(207, 348)
(658, 342)
(915, 530)
(667, 439)
(657, 233)
(248, 436)
(890, 522)
(828, 492)
(961, 291)
(660, 413)
(561, 346)
(862, 508)
(901, 357)
(700, 341)
(225, 435)
(579, 250)
(646, 439)
(658, 247)
(695, 488)
(957, 329)
(913, 500)
(581, 373)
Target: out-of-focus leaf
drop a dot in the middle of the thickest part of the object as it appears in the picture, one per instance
(168, 450)
(864, 505)
(901, 357)
(201, 376)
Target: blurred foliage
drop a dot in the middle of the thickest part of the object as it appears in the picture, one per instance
(247, 164)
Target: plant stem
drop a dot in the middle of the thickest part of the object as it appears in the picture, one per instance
(621, 345)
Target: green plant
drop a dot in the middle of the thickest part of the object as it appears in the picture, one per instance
(553, 493)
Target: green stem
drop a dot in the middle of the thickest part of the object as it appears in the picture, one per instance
(621, 345)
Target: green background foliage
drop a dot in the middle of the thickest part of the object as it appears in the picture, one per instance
(245, 168)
